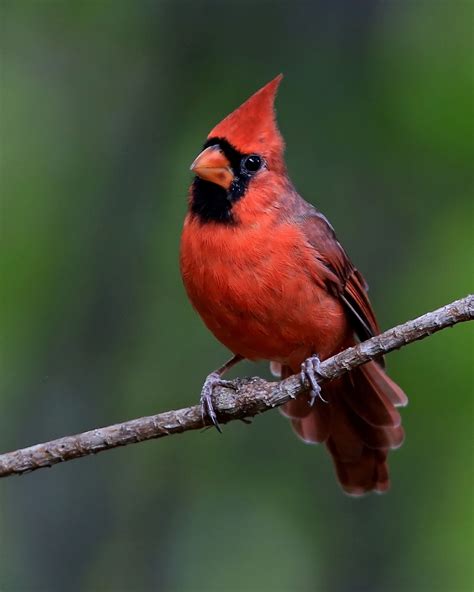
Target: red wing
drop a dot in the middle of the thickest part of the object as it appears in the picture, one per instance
(357, 301)
(342, 278)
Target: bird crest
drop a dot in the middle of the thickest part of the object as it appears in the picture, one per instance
(252, 127)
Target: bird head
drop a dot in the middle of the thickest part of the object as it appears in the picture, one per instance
(242, 154)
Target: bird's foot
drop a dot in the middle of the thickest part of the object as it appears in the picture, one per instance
(310, 371)
(207, 408)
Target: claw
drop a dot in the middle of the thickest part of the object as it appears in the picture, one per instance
(207, 407)
(246, 420)
(309, 373)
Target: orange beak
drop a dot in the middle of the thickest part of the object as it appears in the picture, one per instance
(212, 165)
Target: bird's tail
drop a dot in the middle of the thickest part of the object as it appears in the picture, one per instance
(359, 424)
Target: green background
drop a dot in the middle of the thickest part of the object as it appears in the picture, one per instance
(103, 106)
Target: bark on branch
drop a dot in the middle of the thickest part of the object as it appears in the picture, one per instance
(249, 397)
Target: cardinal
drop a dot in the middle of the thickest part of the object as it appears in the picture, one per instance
(266, 273)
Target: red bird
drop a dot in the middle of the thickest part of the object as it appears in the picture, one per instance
(269, 278)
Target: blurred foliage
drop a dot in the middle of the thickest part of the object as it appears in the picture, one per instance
(103, 105)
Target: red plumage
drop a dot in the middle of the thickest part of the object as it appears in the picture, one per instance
(269, 278)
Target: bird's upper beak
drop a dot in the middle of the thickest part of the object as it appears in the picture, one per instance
(212, 165)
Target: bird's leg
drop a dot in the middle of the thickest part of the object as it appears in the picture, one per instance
(309, 372)
(214, 379)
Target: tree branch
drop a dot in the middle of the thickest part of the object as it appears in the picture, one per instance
(249, 397)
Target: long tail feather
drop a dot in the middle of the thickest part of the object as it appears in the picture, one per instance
(359, 425)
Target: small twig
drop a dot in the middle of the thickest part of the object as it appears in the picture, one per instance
(250, 397)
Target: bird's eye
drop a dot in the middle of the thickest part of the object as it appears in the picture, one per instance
(252, 163)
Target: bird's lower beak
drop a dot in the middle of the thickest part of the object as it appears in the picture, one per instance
(212, 165)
